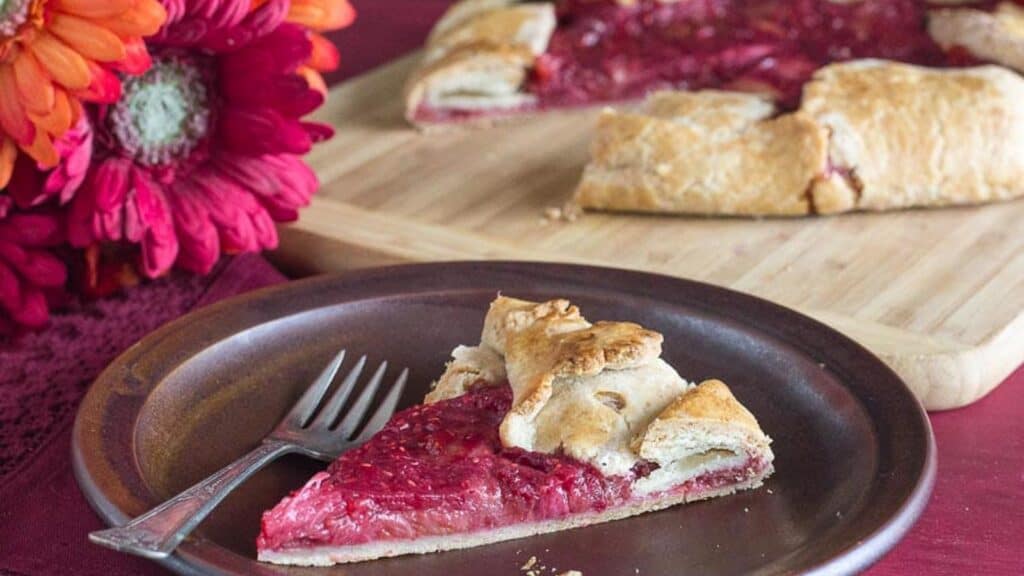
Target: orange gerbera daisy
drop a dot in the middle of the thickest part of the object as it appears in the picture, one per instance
(55, 53)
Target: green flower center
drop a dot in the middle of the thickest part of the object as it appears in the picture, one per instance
(163, 114)
(13, 13)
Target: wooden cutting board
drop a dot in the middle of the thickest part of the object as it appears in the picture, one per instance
(938, 294)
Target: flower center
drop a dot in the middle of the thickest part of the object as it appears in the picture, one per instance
(13, 13)
(163, 114)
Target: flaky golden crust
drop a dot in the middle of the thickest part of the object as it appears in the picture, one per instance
(510, 315)
(869, 135)
(578, 390)
(731, 157)
(996, 36)
(604, 346)
(478, 56)
(594, 392)
(906, 136)
(469, 366)
(710, 400)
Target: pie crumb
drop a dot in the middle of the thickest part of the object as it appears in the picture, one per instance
(571, 573)
(568, 212)
(529, 563)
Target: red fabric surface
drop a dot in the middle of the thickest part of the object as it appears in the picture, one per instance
(44, 518)
(973, 524)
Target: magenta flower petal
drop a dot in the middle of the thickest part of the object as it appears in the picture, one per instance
(111, 182)
(255, 25)
(27, 267)
(318, 132)
(199, 242)
(75, 149)
(36, 266)
(26, 185)
(282, 183)
(242, 221)
(290, 95)
(263, 131)
(36, 230)
(81, 232)
(155, 227)
(277, 53)
(197, 22)
(10, 289)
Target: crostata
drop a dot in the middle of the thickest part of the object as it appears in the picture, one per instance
(867, 135)
(550, 423)
(492, 58)
(759, 107)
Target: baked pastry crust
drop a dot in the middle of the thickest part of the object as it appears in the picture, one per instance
(905, 136)
(708, 152)
(869, 135)
(478, 56)
(601, 394)
(997, 36)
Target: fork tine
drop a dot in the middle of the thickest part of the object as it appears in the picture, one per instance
(355, 414)
(304, 408)
(385, 410)
(330, 410)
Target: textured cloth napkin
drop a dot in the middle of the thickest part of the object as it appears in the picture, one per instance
(44, 518)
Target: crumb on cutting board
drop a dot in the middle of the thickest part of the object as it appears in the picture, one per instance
(568, 212)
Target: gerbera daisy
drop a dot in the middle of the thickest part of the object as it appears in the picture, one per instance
(201, 154)
(54, 53)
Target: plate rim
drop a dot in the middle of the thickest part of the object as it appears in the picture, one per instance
(190, 558)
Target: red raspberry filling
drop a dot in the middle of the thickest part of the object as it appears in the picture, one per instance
(605, 52)
(440, 469)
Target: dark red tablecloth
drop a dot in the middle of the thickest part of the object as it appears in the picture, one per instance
(974, 524)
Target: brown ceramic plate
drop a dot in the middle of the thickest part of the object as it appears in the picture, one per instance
(854, 451)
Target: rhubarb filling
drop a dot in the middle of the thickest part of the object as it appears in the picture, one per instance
(603, 51)
(440, 468)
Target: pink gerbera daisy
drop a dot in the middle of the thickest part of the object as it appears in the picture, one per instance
(202, 153)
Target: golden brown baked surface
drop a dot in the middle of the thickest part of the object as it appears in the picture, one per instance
(996, 36)
(869, 135)
(705, 152)
(601, 393)
(478, 56)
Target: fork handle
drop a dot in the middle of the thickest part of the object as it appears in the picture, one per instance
(158, 532)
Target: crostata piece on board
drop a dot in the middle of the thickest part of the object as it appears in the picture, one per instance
(550, 423)
(493, 58)
(868, 135)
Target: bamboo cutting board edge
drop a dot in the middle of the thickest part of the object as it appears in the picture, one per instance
(391, 195)
(943, 373)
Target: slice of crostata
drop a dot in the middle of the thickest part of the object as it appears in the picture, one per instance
(550, 423)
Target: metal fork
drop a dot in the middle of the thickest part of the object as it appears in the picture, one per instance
(158, 532)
